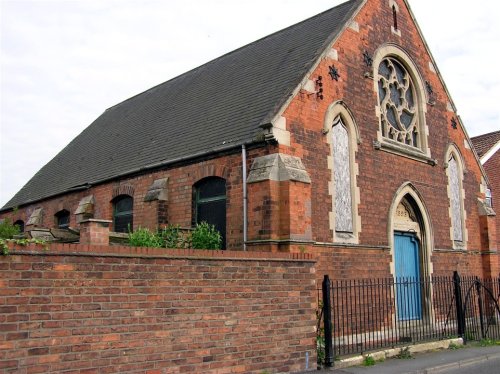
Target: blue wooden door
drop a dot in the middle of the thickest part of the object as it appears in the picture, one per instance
(407, 272)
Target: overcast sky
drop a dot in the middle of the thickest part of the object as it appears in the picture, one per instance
(64, 62)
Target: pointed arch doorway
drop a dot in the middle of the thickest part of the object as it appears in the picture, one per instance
(410, 234)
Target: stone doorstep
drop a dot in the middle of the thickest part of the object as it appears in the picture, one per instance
(393, 352)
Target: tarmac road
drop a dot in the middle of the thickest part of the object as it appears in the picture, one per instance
(476, 360)
(491, 366)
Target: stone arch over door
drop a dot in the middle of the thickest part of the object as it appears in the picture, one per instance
(418, 221)
(411, 243)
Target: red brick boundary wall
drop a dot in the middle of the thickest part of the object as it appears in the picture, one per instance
(98, 309)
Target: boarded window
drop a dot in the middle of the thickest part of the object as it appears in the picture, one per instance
(455, 199)
(210, 204)
(342, 178)
(123, 216)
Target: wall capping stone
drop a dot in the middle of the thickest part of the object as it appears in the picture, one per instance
(57, 249)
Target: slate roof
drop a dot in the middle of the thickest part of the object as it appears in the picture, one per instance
(217, 105)
(483, 143)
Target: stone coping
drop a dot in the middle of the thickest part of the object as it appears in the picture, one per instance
(71, 249)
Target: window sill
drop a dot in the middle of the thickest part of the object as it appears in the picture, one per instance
(459, 245)
(342, 237)
(405, 151)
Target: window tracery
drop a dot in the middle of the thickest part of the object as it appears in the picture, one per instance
(398, 103)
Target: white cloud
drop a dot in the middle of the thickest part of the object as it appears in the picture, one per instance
(64, 62)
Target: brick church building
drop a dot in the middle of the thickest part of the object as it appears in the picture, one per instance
(487, 147)
(335, 136)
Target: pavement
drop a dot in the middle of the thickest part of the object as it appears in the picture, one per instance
(434, 362)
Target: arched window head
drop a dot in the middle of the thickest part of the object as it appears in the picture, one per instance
(20, 223)
(123, 213)
(62, 219)
(209, 204)
(398, 103)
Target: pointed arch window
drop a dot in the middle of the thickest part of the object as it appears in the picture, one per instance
(398, 104)
(342, 177)
(401, 105)
(123, 213)
(455, 170)
(456, 211)
(343, 138)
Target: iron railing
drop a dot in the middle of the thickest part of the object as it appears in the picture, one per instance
(369, 314)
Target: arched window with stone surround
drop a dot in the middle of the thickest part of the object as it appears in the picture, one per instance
(342, 177)
(455, 199)
(401, 104)
(398, 103)
(343, 138)
(455, 172)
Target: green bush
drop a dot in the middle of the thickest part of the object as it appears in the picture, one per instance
(8, 230)
(142, 237)
(205, 236)
(173, 237)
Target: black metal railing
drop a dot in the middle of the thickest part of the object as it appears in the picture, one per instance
(369, 314)
(480, 308)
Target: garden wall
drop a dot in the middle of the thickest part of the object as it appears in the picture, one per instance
(97, 309)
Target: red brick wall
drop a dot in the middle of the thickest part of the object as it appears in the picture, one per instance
(492, 167)
(118, 309)
(345, 262)
(380, 173)
(177, 210)
(342, 263)
(277, 213)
